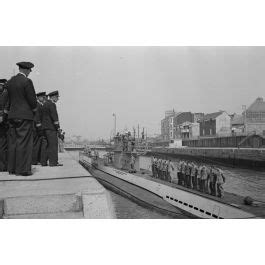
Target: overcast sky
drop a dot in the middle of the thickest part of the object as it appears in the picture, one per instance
(139, 83)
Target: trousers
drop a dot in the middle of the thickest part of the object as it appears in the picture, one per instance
(3, 152)
(36, 147)
(43, 151)
(20, 145)
(52, 146)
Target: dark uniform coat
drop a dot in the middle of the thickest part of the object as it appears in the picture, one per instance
(37, 137)
(50, 119)
(21, 108)
(3, 131)
(50, 124)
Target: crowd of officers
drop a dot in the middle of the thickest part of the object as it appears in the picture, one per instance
(200, 177)
(29, 124)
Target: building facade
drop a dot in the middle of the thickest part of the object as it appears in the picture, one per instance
(198, 116)
(254, 117)
(189, 130)
(177, 125)
(167, 125)
(215, 124)
(237, 124)
(180, 119)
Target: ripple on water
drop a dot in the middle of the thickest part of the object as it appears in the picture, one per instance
(126, 209)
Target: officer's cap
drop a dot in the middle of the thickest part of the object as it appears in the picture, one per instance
(54, 93)
(3, 81)
(41, 94)
(25, 65)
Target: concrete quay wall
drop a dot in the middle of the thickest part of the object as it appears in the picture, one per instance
(65, 192)
(247, 157)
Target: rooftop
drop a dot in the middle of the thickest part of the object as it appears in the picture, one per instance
(212, 116)
(257, 106)
(237, 119)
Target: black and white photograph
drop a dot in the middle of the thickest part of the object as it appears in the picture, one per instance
(132, 132)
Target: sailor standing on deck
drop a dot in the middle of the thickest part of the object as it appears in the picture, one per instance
(21, 108)
(193, 175)
(152, 166)
(195, 186)
(171, 171)
(132, 163)
(155, 167)
(180, 173)
(190, 178)
(3, 126)
(164, 169)
(187, 175)
(178, 167)
(160, 164)
(212, 177)
(220, 180)
(207, 183)
(204, 176)
(159, 168)
(199, 178)
(50, 123)
(183, 173)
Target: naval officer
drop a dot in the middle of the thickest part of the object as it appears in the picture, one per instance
(50, 123)
(37, 130)
(21, 108)
(3, 127)
(42, 98)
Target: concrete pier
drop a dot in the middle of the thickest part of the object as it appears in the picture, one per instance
(54, 192)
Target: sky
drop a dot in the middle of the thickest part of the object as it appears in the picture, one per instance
(139, 84)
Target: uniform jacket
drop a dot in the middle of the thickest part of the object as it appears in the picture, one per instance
(3, 102)
(220, 179)
(50, 119)
(3, 122)
(38, 114)
(21, 98)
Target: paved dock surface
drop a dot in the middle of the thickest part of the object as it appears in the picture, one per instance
(54, 192)
(70, 169)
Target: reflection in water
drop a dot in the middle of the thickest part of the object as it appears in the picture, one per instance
(126, 209)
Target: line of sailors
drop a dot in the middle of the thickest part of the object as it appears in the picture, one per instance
(206, 179)
(29, 124)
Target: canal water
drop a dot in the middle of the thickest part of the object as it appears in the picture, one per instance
(126, 209)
